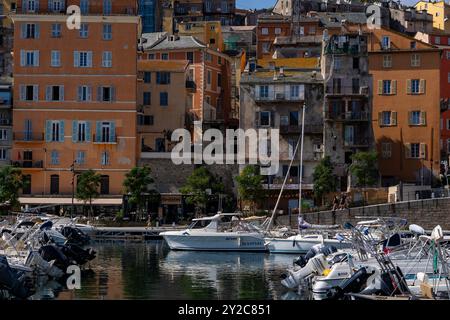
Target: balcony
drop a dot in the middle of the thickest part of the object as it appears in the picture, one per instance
(347, 116)
(362, 142)
(309, 129)
(191, 86)
(291, 183)
(28, 164)
(331, 90)
(279, 97)
(104, 140)
(25, 136)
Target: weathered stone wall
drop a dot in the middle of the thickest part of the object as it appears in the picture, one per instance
(427, 213)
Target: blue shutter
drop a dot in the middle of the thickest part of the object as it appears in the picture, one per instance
(23, 29)
(23, 58)
(76, 59)
(98, 131)
(48, 131)
(89, 59)
(88, 131)
(61, 131)
(74, 131)
(61, 93)
(37, 31)
(112, 131)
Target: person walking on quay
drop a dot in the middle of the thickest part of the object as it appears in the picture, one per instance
(343, 201)
(335, 203)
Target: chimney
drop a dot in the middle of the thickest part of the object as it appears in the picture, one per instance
(281, 72)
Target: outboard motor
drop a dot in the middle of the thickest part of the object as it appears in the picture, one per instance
(354, 284)
(315, 250)
(78, 254)
(17, 284)
(75, 235)
(52, 252)
(315, 265)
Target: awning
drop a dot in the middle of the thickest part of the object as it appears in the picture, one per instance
(68, 201)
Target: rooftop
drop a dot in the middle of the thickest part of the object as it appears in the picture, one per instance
(291, 63)
(167, 42)
(290, 76)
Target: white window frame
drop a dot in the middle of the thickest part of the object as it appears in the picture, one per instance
(415, 60)
(3, 154)
(387, 61)
(265, 31)
(107, 59)
(260, 117)
(3, 134)
(55, 59)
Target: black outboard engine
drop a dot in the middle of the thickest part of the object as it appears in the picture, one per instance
(315, 250)
(52, 252)
(16, 283)
(78, 254)
(75, 235)
(354, 284)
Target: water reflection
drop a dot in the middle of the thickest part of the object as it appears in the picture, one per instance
(126, 270)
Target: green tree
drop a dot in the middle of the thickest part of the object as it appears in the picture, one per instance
(250, 185)
(364, 168)
(197, 187)
(324, 179)
(11, 181)
(88, 187)
(137, 185)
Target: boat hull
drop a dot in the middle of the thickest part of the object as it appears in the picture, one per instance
(207, 242)
(300, 246)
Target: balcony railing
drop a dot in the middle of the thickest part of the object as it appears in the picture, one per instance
(27, 163)
(28, 136)
(347, 116)
(291, 183)
(279, 97)
(105, 140)
(5, 122)
(293, 129)
(191, 85)
(362, 142)
(347, 90)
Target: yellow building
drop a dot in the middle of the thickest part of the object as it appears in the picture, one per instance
(440, 12)
(209, 32)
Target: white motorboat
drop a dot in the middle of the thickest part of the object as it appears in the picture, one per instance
(301, 244)
(221, 232)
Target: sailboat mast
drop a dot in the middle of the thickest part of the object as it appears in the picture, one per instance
(301, 162)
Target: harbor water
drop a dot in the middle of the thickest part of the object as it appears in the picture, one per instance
(149, 270)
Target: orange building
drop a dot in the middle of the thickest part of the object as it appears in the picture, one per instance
(406, 106)
(74, 93)
(209, 71)
(268, 28)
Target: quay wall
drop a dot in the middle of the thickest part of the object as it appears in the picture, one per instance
(427, 213)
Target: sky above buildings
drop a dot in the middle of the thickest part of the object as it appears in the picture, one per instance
(258, 4)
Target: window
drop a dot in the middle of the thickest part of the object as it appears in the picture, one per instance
(147, 98)
(147, 77)
(387, 61)
(3, 154)
(105, 132)
(219, 60)
(386, 150)
(437, 40)
(190, 57)
(219, 79)
(54, 184)
(107, 31)
(151, 56)
(29, 92)
(264, 118)
(105, 158)
(293, 118)
(54, 131)
(56, 30)
(415, 60)
(414, 150)
(83, 59)
(104, 184)
(84, 93)
(163, 99)
(106, 94)
(386, 42)
(355, 85)
(337, 63)
(263, 91)
(84, 30)
(387, 118)
(448, 77)
(265, 31)
(277, 31)
(3, 134)
(312, 30)
(30, 30)
(31, 5)
(26, 189)
(145, 120)
(163, 77)
(84, 6)
(80, 157)
(355, 63)
(208, 57)
(386, 86)
(164, 56)
(56, 5)
(412, 45)
(55, 58)
(414, 86)
(82, 128)
(266, 47)
(107, 59)
(417, 118)
(107, 7)
(29, 58)
(295, 91)
(54, 157)
(54, 93)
